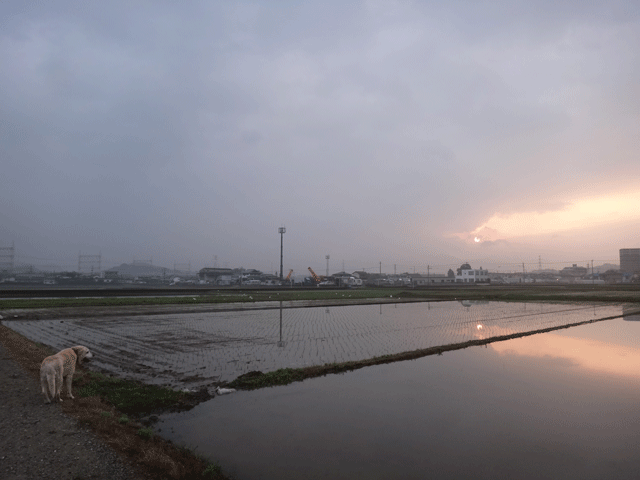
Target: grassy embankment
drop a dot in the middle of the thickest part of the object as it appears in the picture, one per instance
(531, 293)
(115, 408)
(229, 296)
(516, 293)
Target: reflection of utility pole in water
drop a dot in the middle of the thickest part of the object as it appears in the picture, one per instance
(280, 342)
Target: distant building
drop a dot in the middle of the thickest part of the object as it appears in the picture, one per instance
(629, 260)
(420, 280)
(466, 274)
(213, 274)
(574, 271)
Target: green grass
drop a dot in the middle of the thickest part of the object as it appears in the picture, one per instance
(223, 297)
(283, 376)
(129, 397)
(529, 292)
(145, 433)
(212, 470)
(554, 293)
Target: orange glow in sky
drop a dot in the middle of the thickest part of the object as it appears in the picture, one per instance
(577, 214)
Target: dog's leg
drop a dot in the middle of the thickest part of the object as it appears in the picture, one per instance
(46, 382)
(69, 379)
(59, 384)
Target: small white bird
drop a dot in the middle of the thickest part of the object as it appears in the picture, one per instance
(224, 391)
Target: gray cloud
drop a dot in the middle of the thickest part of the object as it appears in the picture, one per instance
(370, 129)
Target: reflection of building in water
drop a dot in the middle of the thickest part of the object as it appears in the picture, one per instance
(631, 313)
(630, 260)
(469, 303)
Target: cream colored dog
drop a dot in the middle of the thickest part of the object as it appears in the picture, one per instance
(58, 368)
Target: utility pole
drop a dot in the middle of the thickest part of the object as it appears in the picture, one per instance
(281, 231)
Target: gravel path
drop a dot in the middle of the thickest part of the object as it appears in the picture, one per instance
(38, 441)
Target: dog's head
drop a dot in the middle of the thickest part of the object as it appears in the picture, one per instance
(83, 353)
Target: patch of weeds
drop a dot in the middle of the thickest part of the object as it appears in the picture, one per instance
(106, 414)
(212, 470)
(127, 396)
(283, 376)
(89, 390)
(145, 433)
(123, 419)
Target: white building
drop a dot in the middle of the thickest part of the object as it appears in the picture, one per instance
(466, 274)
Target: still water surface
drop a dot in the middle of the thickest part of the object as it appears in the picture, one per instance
(563, 405)
(199, 349)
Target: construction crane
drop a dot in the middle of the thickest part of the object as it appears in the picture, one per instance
(288, 277)
(320, 280)
(316, 278)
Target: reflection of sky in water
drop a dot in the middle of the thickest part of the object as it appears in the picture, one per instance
(198, 349)
(563, 405)
(610, 347)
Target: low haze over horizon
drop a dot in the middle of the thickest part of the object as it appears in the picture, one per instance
(406, 133)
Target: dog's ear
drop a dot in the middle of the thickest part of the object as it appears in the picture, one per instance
(80, 352)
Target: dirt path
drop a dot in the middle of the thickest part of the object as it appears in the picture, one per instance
(39, 441)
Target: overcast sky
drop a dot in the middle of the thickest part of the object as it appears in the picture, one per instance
(407, 133)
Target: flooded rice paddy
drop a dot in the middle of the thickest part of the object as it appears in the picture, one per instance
(557, 405)
(562, 404)
(196, 350)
